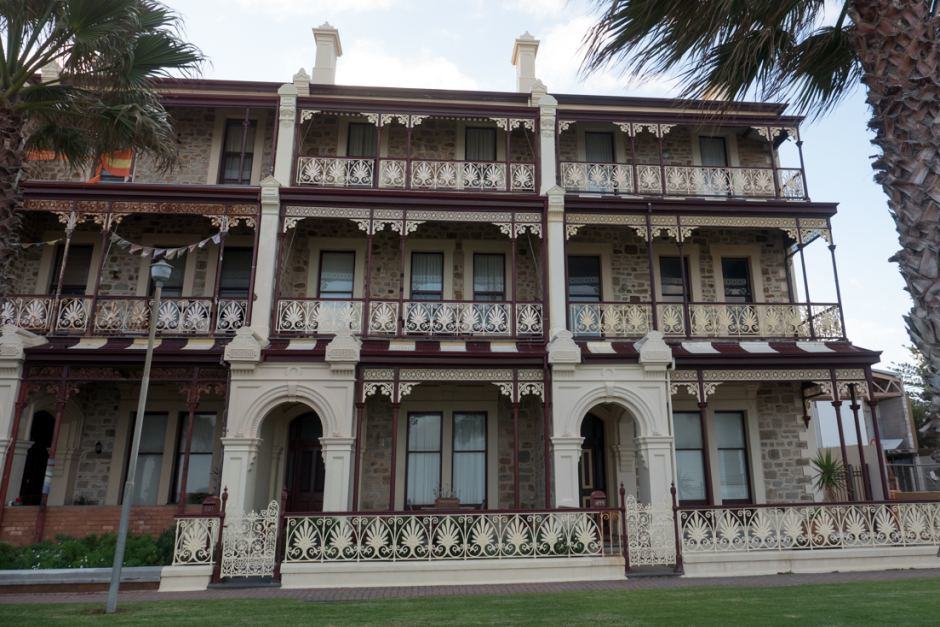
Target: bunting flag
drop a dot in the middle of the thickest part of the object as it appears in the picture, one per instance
(51, 242)
(155, 252)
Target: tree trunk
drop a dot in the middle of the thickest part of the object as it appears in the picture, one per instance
(898, 45)
(11, 167)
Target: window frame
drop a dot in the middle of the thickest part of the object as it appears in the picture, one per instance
(724, 143)
(58, 253)
(181, 426)
(127, 455)
(747, 261)
(502, 278)
(220, 290)
(352, 291)
(409, 451)
(489, 129)
(745, 438)
(613, 145)
(706, 471)
(687, 288)
(225, 154)
(349, 130)
(484, 451)
(411, 279)
(600, 278)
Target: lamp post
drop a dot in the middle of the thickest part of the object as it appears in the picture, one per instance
(160, 272)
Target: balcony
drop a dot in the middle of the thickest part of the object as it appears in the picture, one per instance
(737, 321)
(654, 180)
(457, 319)
(123, 315)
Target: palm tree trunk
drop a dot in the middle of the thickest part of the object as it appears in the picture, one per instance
(898, 45)
(11, 167)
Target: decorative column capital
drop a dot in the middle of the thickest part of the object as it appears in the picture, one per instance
(655, 354)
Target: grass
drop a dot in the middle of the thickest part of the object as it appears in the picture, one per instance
(907, 602)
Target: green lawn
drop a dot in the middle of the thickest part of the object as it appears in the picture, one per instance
(915, 601)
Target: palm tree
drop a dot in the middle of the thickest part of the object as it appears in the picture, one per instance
(775, 49)
(99, 96)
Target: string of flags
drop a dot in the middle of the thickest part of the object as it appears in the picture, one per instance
(27, 245)
(155, 252)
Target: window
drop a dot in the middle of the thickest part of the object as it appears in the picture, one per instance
(584, 278)
(736, 273)
(690, 456)
(670, 278)
(480, 144)
(235, 277)
(238, 146)
(714, 152)
(424, 459)
(75, 278)
(469, 465)
(360, 140)
(489, 277)
(200, 456)
(149, 458)
(599, 147)
(173, 287)
(337, 272)
(732, 456)
(427, 276)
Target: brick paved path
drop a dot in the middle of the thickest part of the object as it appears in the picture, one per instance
(358, 594)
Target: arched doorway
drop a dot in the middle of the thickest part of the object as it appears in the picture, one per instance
(592, 472)
(304, 479)
(37, 458)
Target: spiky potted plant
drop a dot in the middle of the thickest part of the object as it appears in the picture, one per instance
(830, 474)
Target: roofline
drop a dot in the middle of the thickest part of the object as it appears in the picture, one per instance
(776, 108)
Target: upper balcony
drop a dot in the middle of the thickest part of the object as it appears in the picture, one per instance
(422, 152)
(680, 160)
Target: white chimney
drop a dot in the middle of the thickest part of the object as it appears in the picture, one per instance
(328, 49)
(523, 57)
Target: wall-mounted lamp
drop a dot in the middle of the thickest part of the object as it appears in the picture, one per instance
(98, 448)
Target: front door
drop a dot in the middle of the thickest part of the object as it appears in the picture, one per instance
(37, 458)
(592, 472)
(305, 470)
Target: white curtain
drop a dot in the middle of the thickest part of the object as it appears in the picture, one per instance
(732, 456)
(424, 459)
(599, 147)
(361, 140)
(480, 144)
(690, 460)
(427, 276)
(470, 457)
(489, 277)
(336, 274)
(149, 459)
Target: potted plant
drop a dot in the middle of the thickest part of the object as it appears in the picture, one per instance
(830, 475)
(446, 499)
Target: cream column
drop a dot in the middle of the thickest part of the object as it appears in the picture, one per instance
(13, 344)
(266, 264)
(238, 465)
(557, 292)
(287, 117)
(337, 485)
(566, 456)
(547, 108)
(655, 468)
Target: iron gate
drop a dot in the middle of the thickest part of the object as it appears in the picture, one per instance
(249, 543)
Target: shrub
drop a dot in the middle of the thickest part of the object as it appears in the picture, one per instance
(92, 551)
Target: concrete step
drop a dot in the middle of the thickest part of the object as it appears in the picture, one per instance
(239, 583)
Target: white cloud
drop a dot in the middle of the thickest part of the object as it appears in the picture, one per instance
(319, 7)
(559, 63)
(366, 63)
(540, 8)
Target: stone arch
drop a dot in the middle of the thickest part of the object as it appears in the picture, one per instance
(635, 405)
(283, 394)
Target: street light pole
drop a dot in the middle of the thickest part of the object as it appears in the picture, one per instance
(160, 272)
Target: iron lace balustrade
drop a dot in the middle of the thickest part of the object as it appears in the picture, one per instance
(801, 321)
(195, 539)
(311, 316)
(647, 179)
(465, 318)
(452, 535)
(808, 526)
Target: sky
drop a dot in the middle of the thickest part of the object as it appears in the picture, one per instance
(468, 44)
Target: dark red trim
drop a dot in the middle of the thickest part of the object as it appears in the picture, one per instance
(67, 190)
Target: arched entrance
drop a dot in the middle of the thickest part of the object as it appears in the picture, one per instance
(37, 458)
(592, 471)
(305, 473)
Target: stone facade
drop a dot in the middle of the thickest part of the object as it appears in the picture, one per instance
(531, 456)
(100, 406)
(784, 449)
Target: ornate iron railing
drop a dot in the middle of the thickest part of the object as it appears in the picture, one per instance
(335, 171)
(195, 540)
(471, 318)
(471, 175)
(33, 313)
(681, 180)
(808, 526)
(231, 315)
(463, 535)
(131, 315)
(249, 543)
(312, 316)
(800, 321)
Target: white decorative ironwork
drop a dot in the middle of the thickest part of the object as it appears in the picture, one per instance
(650, 533)
(597, 177)
(195, 540)
(718, 181)
(610, 319)
(810, 526)
(318, 316)
(392, 173)
(177, 316)
(456, 318)
(475, 175)
(451, 536)
(249, 544)
(747, 320)
(230, 315)
(649, 179)
(522, 177)
(32, 313)
(529, 319)
(791, 183)
(72, 316)
(335, 171)
(383, 317)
